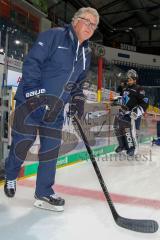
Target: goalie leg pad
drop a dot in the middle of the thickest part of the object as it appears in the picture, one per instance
(129, 139)
(122, 127)
(119, 131)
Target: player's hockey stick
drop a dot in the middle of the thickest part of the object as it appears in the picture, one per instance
(137, 225)
(133, 130)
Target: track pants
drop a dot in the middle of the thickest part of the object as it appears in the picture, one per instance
(24, 133)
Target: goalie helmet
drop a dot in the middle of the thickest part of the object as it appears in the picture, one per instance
(132, 74)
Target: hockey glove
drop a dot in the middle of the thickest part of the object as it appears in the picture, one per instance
(35, 102)
(77, 106)
(117, 101)
(136, 112)
(53, 108)
(44, 106)
(34, 98)
(133, 115)
(124, 108)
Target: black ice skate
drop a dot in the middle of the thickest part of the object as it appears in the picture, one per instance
(10, 188)
(52, 202)
(119, 149)
(131, 151)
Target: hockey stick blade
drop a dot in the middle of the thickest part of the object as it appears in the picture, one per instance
(137, 225)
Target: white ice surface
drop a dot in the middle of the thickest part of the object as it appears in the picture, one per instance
(84, 217)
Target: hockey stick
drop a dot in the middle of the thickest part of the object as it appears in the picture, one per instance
(101, 128)
(133, 130)
(144, 226)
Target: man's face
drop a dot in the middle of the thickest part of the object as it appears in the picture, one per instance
(85, 26)
(131, 82)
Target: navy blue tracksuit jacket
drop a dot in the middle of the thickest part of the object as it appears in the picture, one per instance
(55, 60)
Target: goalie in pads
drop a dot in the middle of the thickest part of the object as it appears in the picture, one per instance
(133, 104)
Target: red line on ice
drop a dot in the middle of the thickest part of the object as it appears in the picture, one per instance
(98, 195)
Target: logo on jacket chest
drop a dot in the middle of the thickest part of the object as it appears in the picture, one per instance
(63, 47)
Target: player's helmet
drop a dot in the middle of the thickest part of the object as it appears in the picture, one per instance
(132, 74)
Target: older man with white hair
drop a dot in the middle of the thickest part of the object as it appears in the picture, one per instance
(53, 73)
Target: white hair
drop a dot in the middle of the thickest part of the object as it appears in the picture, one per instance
(84, 10)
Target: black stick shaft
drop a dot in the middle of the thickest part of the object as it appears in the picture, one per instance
(98, 173)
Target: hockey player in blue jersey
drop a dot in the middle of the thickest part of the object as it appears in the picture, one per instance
(53, 72)
(133, 104)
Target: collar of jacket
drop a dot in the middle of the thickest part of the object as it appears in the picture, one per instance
(74, 38)
(132, 86)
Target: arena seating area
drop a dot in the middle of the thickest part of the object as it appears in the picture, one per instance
(15, 32)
